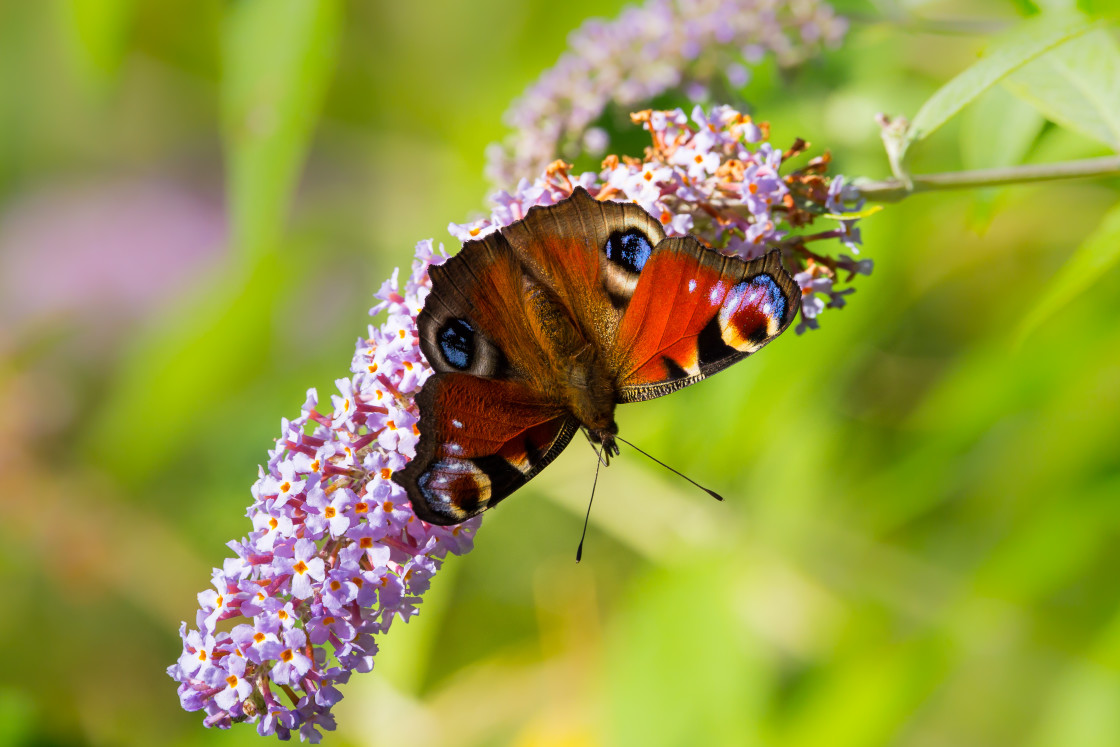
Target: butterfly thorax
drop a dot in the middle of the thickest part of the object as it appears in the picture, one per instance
(584, 382)
(590, 394)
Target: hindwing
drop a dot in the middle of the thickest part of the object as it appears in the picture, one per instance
(480, 440)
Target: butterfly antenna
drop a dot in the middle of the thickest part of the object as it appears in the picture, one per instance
(598, 464)
(601, 457)
(712, 493)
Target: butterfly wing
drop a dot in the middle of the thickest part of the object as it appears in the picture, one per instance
(694, 312)
(666, 312)
(492, 417)
(480, 440)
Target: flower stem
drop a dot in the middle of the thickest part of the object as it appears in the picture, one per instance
(893, 190)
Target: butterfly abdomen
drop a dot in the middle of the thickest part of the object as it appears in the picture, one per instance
(589, 391)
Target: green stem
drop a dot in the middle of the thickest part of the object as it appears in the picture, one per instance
(893, 190)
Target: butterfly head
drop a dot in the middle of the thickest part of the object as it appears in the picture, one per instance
(604, 441)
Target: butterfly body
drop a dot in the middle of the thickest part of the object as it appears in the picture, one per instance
(541, 329)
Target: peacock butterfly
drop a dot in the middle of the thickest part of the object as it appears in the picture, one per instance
(540, 329)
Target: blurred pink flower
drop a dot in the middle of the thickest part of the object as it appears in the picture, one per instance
(102, 251)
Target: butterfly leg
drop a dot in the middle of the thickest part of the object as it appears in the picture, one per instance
(604, 443)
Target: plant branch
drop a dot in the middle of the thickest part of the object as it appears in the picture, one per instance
(893, 190)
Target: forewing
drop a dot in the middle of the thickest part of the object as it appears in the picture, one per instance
(474, 320)
(589, 254)
(694, 312)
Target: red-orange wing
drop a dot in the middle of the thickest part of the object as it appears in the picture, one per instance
(480, 440)
(694, 312)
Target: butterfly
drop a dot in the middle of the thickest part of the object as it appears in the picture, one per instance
(542, 328)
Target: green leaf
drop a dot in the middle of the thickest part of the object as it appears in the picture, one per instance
(1081, 708)
(1096, 255)
(199, 356)
(278, 60)
(1097, 7)
(99, 30)
(1076, 86)
(868, 698)
(1014, 49)
(984, 146)
(641, 709)
(853, 215)
(1025, 7)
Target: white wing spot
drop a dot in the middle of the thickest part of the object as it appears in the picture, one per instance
(715, 296)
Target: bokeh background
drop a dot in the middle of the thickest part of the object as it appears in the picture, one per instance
(920, 544)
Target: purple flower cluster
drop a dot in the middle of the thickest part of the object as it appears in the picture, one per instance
(336, 553)
(715, 176)
(660, 46)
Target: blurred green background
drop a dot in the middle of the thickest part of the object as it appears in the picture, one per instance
(197, 200)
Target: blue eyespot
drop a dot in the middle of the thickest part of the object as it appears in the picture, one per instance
(630, 249)
(775, 304)
(760, 292)
(456, 342)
